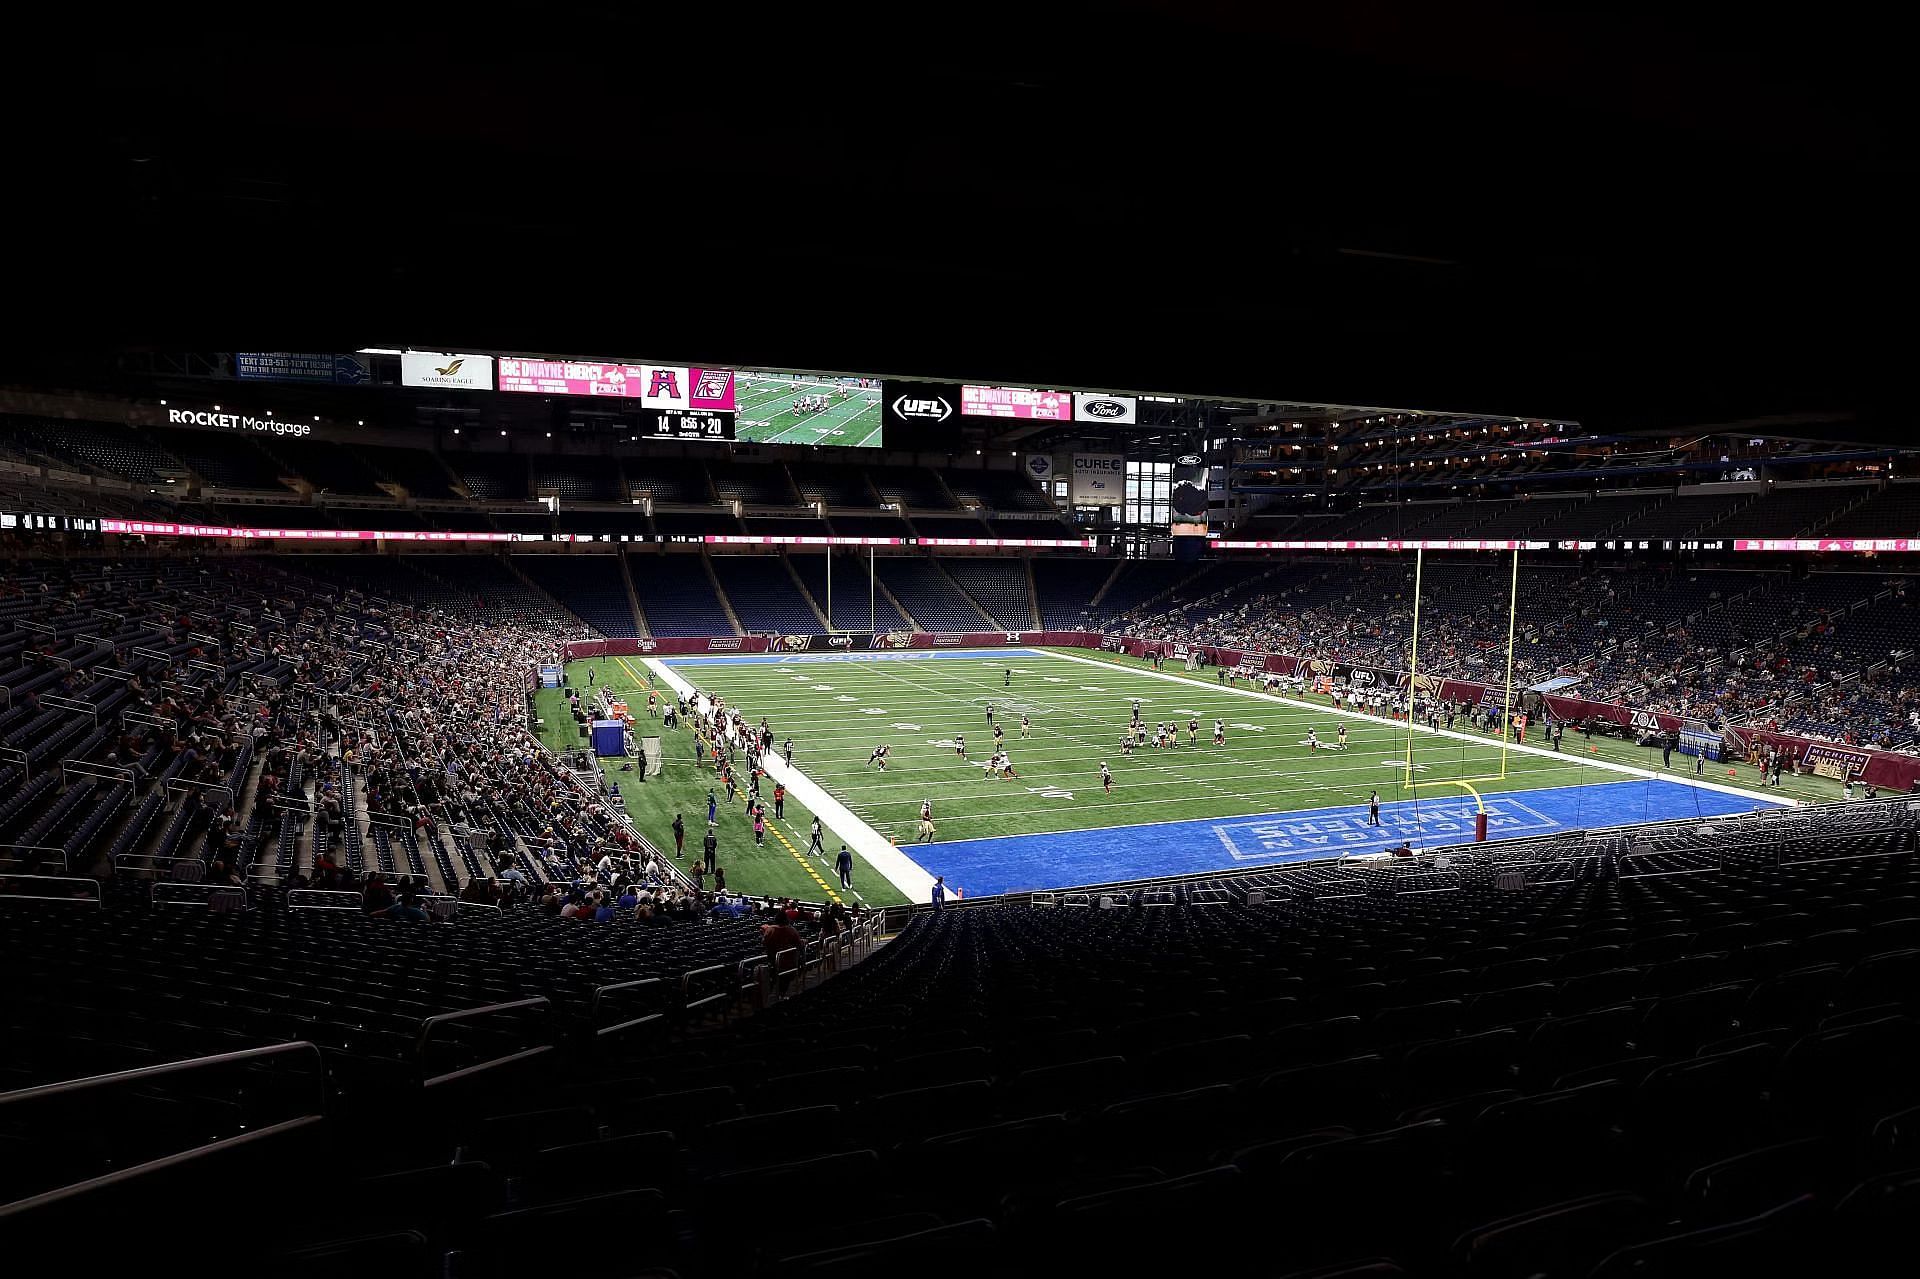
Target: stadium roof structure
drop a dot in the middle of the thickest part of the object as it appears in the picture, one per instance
(1623, 217)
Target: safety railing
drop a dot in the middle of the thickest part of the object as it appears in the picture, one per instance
(434, 1033)
(18, 758)
(624, 997)
(107, 772)
(139, 863)
(263, 1102)
(322, 899)
(703, 993)
(33, 855)
(63, 889)
(179, 787)
(218, 897)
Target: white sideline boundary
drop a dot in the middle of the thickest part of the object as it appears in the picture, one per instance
(1478, 738)
(898, 869)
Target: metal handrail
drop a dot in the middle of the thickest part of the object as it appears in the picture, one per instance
(429, 1024)
(12, 880)
(593, 1006)
(7, 851)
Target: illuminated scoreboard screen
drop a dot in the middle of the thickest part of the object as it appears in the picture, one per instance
(689, 426)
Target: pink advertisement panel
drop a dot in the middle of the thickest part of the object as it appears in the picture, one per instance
(570, 377)
(1016, 402)
(161, 528)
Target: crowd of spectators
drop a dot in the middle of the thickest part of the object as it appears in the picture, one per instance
(1726, 648)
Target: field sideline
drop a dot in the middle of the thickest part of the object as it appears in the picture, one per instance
(1171, 810)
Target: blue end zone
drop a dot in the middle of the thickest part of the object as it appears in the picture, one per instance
(884, 655)
(1017, 863)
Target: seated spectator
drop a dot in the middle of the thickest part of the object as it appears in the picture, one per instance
(376, 896)
(407, 910)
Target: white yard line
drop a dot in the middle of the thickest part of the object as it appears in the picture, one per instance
(905, 874)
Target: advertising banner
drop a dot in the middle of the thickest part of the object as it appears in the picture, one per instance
(1188, 496)
(442, 371)
(1843, 544)
(1099, 479)
(301, 366)
(1105, 408)
(1016, 402)
(1039, 468)
(572, 377)
(164, 528)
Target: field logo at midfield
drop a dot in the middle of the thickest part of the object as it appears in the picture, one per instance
(1049, 792)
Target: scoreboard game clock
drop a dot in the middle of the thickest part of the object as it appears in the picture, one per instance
(675, 425)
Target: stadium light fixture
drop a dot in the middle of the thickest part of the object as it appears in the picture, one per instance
(503, 432)
(163, 404)
(316, 417)
(360, 421)
(456, 430)
(216, 408)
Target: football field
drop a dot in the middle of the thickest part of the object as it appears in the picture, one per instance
(1265, 796)
(766, 412)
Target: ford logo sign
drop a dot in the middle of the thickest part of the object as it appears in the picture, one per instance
(1191, 459)
(1104, 408)
(934, 409)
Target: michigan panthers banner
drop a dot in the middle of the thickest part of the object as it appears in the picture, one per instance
(1828, 760)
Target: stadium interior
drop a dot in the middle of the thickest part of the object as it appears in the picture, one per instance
(480, 791)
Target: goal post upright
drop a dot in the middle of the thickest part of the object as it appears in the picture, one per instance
(1413, 657)
(1513, 617)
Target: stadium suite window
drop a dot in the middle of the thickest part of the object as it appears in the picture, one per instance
(1148, 485)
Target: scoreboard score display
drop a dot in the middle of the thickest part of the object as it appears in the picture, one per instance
(671, 425)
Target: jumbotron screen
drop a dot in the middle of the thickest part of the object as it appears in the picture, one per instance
(807, 408)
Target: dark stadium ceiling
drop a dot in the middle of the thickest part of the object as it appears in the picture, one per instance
(1636, 218)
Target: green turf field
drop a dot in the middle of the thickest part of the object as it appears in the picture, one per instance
(766, 416)
(837, 712)
(780, 868)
